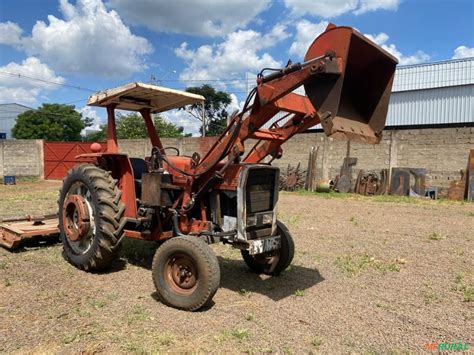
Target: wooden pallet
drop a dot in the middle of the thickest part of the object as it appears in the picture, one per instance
(12, 232)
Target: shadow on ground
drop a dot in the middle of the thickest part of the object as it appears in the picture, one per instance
(137, 252)
(34, 244)
(236, 276)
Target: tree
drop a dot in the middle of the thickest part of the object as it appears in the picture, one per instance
(133, 126)
(214, 107)
(52, 122)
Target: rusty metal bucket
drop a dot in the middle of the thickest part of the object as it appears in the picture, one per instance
(358, 97)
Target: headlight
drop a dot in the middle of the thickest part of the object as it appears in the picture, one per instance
(267, 218)
(251, 220)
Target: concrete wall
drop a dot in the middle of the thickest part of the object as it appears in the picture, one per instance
(442, 151)
(21, 157)
(186, 146)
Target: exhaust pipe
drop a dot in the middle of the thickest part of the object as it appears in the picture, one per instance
(358, 98)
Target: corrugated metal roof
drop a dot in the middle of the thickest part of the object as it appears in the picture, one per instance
(443, 105)
(425, 94)
(434, 75)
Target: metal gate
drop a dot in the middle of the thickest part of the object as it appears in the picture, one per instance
(59, 157)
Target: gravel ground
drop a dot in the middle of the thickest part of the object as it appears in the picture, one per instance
(369, 276)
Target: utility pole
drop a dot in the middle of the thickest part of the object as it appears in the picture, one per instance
(203, 120)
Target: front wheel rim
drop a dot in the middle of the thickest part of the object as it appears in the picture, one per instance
(181, 273)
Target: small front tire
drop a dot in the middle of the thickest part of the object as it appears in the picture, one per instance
(273, 263)
(186, 273)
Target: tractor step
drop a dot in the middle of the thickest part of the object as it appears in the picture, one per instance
(14, 231)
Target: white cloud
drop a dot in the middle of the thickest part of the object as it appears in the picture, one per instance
(194, 17)
(373, 5)
(382, 38)
(88, 111)
(334, 8)
(234, 105)
(10, 33)
(23, 90)
(463, 52)
(89, 40)
(181, 118)
(238, 53)
(306, 33)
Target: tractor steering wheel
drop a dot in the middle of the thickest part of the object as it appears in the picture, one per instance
(172, 148)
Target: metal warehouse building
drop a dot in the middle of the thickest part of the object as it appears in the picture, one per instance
(8, 115)
(432, 95)
(440, 93)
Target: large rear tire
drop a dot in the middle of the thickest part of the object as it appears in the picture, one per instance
(91, 217)
(186, 273)
(273, 263)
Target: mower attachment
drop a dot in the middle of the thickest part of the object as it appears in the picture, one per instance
(13, 231)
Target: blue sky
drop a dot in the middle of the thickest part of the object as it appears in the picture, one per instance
(97, 44)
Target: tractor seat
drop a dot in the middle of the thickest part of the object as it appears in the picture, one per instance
(139, 166)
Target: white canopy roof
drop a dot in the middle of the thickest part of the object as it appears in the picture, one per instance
(136, 96)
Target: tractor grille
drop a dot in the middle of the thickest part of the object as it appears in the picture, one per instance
(260, 190)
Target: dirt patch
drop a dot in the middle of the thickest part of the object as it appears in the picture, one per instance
(368, 276)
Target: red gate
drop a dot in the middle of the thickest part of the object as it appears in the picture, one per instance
(59, 157)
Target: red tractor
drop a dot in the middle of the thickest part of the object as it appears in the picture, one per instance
(230, 194)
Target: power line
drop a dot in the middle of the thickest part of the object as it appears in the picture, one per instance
(21, 76)
(206, 80)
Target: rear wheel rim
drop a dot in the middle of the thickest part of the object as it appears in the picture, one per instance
(82, 245)
(180, 273)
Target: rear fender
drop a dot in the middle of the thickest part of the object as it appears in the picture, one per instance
(121, 169)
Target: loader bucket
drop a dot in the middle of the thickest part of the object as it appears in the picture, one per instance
(358, 98)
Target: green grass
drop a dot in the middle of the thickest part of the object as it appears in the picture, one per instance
(240, 334)
(382, 305)
(468, 293)
(352, 265)
(316, 342)
(166, 339)
(378, 198)
(353, 221)
(429, 295)
(138, 313)
(27, 179)
(98, 303)
(466, 290)
(222, 337)
(299, 293)
(146, 343)
(245, 293)
(436, 236)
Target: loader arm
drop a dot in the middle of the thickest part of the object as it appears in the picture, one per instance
(271, 97)
(347, 79)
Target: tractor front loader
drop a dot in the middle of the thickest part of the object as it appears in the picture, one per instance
(230, 194)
